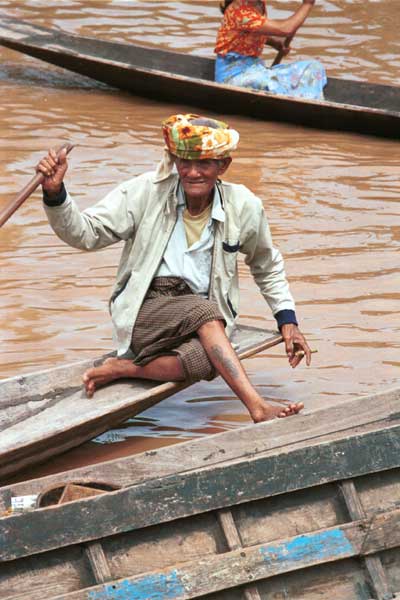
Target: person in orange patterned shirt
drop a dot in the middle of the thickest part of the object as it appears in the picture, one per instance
(244, 31)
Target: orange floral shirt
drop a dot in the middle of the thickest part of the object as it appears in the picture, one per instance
(238, 31)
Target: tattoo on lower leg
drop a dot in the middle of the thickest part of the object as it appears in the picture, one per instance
(225, 362)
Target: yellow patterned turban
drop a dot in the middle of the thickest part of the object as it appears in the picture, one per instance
(194, 137)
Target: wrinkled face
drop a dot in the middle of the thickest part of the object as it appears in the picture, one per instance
(198, 177)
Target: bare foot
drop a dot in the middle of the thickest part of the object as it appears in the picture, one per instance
(110, 370)
(265, 411)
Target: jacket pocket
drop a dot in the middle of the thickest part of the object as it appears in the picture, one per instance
(231, 247)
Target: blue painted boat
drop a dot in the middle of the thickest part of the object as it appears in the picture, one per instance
(301, 508)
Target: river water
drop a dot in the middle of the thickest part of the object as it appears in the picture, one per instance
(332, 200)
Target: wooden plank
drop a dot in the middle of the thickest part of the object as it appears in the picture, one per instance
(66, 417)
(61, 381)
(212, 450)
(77, 492)
(228, 526)
(373, 564)
(93, 550)
(98, 562)
(232, 537)
(58, 575)
(395, 596)
(42, 385)
(166, 499)
(229, 570)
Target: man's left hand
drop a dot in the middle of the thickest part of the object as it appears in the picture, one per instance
(295, 345)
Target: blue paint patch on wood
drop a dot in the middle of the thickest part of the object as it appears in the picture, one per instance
(150, 587)
(315, 546)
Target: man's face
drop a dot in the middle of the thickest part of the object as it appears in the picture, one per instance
(198, 177)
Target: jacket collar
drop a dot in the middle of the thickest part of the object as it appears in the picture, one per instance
(217, 212)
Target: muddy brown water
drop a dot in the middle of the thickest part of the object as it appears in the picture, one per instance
(332, 200)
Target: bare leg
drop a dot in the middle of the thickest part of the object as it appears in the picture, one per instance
(168, 368)
(164, 368)
(223, 357)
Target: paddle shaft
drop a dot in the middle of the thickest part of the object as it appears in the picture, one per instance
(281, 53)
(24, 194)
(255, 350)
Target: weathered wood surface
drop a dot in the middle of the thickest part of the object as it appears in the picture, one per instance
(258, 562)
(232, 536)
(259, 526)
(98, 562)
(93, 550)
(47, 413)
(321, 425)
(373, 564)
(289, 564)
(177, 496)
(163, 75)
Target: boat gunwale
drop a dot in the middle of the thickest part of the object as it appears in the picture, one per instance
(228, 445)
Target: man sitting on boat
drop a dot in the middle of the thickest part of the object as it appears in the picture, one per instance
(244, 31)
(175, 301)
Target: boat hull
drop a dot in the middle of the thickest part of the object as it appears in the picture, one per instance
(306, 507)
(354, 106)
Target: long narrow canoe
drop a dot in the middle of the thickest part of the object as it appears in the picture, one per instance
(46, 413)
(305, 507)
(175, 77)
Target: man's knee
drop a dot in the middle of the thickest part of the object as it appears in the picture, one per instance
(194, 315)
(210, 326)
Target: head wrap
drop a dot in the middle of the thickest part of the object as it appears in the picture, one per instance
(194, 137)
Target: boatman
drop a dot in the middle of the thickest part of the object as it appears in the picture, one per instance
(175, 300)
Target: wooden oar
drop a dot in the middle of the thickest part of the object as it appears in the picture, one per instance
(281, 53)
(24, 194)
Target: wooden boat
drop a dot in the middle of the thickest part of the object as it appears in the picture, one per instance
(301, 508)
(174, 77)
(46, 413)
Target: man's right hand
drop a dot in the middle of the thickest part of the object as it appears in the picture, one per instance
(53, 168)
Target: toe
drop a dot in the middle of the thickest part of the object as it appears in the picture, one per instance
(87, 376)
(90, 388)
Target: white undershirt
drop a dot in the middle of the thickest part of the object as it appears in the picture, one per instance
(193, 264)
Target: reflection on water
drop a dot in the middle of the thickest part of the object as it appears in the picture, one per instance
(332, 202)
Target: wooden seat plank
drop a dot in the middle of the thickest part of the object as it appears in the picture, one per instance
(59, 416)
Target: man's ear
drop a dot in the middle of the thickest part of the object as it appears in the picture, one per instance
(224, 164)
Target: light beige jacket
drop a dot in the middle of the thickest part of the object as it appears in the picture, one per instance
(141, 212)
